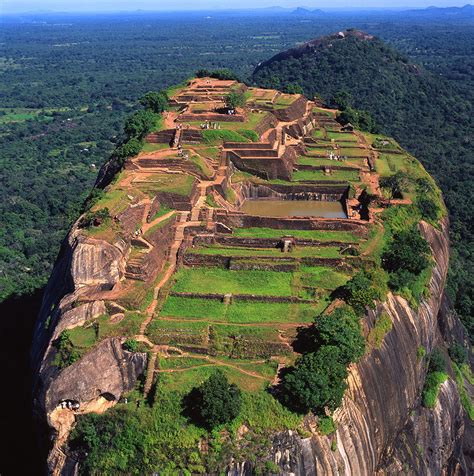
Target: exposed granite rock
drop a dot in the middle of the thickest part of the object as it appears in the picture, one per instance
(107, 369)
(83, 267)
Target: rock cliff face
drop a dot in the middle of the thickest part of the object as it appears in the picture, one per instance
(97, 380)
(382, 428)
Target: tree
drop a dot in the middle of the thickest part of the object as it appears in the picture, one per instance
(129, 149)
(139, 124)
(294, 89)
(156, 102)
(360, 292)
(394, 184)
(428, 208)
(234, 100)
(408, 251)
(214, 402)
(316, 382)
(342, 100)
(341, 328)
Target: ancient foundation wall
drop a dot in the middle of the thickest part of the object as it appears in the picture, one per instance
(292, 112)
(233, 220)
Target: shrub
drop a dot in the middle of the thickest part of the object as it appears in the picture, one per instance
(96, 218)
(437, 361)
(213, 403)
(395, 184)
(458, 353)
(223, 73)
(131, 345)
(66, 354)
(341, 328)
(383, 325)
(431, 389)
(293, 89)
(326, 425)
(129, 148)
(315, 382)
(420, 352)
(429, 209)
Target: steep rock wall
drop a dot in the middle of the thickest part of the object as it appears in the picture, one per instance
(84, 267)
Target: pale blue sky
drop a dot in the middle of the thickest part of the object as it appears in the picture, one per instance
(8, 6)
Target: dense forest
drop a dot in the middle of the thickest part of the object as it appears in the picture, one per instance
(67, 82)
(430, 116)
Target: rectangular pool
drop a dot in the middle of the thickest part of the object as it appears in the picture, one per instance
(293, 208)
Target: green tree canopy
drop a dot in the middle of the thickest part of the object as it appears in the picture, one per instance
(341, 328)
(408, 251)
(316, 382)
(140, 123)
(156, 102)
(214, 402)
(360, 292)
(234, 100)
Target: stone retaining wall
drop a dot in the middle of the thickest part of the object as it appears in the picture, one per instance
(241, 220)
(240, 242)
(245, 297)
(294, 111)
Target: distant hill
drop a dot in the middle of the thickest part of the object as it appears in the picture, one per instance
(467, 11)
(425, 113)
(306, 12)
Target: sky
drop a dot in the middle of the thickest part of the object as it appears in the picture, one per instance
(13, 6)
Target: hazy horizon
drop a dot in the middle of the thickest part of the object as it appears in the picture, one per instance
(25, 6)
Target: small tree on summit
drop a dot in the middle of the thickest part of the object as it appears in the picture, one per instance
(214, 402)
(234, 100)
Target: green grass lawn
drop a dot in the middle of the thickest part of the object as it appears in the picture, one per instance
(158, 225)
(342, 136)
(265, 312)
(162, 211)
(352, 151)
(212, 136)
(303, 251)
(319, 133)
(151, 147)
(322, 277)
(339, 175)
(201, 164)
(116, 200)
(86, 337)
(239, 312)
(211, 280)
(193, 308)
(317, 235)
(179, 184)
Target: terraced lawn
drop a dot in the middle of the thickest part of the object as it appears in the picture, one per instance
(340, 175)
(322, 277)
(342, 136)
(179, 184)
(304, 251)
(239, 312)
(211, 280)
(317, 235)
